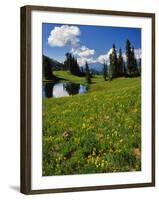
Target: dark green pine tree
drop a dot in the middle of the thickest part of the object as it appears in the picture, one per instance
(73, 67)
(129, 58)
(134, 63)
(47, 69)
(87, 73)
(132, 69)
(77, 68)
(125, 70)
(114, 62)
(110, 68)
(68, 61)
(120, 69)
(71, 64)
(105, 71)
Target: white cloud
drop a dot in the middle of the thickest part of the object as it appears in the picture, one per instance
(124, 56)
(59, 91)
(104, 57)
(64, 35)
(137, 53)
(83, 51)
(82, 60)
(83, 54)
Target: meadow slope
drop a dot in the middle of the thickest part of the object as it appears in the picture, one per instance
(104, 127)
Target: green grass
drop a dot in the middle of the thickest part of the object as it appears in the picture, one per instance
(104, 127)
(69, 77)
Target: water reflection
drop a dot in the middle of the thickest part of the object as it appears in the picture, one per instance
(62, 89)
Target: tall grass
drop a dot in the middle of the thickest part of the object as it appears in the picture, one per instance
(103, 128)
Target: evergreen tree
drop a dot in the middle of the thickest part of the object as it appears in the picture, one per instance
(110, 68)
(73, 67)
(87, 73)
(131, 62)
(71, 64)
(124, 70)
(120, 69)
(105, 71)
(134, 63)
(128, 57)
(113, 62)
(68, 61)
(47, 69)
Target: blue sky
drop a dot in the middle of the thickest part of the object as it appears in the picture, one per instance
(87, 43)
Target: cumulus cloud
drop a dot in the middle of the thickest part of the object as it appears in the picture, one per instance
(104, 57)
(83, 54)
(82, 60)
(64, 35)
(137, 53)
(83, 51)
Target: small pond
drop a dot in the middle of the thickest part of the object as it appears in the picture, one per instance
(56, 90)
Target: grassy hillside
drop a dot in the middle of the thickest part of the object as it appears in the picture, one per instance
(102, 127)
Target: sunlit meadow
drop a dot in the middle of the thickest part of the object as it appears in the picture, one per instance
(103, 128)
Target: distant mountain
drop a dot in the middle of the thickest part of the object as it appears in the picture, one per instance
(54, 63)
(96, 67)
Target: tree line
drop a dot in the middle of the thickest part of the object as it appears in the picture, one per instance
(118, 68)
(72, 65)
